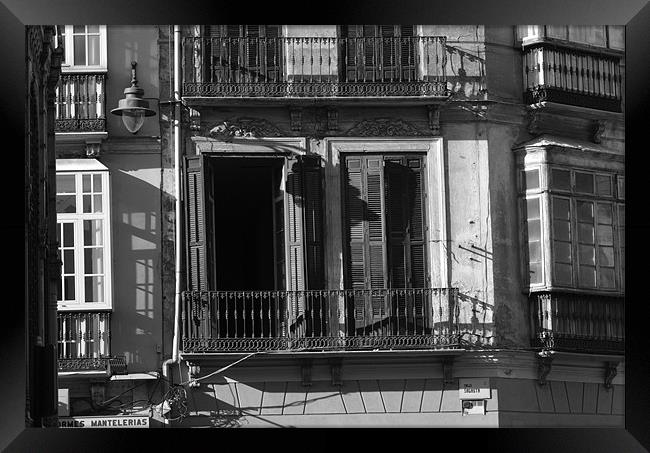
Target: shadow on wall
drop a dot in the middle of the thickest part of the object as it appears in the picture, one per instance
(136, 322)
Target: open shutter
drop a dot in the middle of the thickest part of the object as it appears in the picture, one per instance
(295, 245)
(198, 222)
(406, 236)
(365, 234)
(407, 52)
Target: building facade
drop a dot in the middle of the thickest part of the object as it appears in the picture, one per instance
(354, 225)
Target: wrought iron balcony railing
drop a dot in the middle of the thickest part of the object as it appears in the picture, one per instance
(578, 322)
(80, 103)
(226, 321)
(84, 343)
(314, 67)
(572, 76)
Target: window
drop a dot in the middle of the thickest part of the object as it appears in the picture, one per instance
(581, 215)
(379, 52)
(609, 36)
(83, 234)
(84, 47)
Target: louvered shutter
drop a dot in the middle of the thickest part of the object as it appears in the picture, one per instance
(366, 236)
(199, 213)
(405, 207)
(407, 52)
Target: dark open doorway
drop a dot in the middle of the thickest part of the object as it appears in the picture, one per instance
(246, 247)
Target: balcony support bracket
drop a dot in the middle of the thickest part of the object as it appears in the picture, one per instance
(335, 371)
(544, 365)
(305, 372)
(610, 373)
(447, 370)
(599, 130)
(295, 115)
(433, 112)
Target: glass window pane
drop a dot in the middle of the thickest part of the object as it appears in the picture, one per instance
(534, 230)
(93, 28)
(94, 289)
(584, 182)
(97, 183)
(621, 215)
(587, 255)
(561, 179)
(87, 203)
(607, 278)
(68, 235)
(66, 204)
(94, 260)
(534, 251)
(79, 29)
(605, 235)
(586, 233)
(606, 256)
(68, 286)
(532, 208)
(604, 185)
(86, 183)
(556, 31)
(587, 276)
(561, 231)
(561, 209)
(532, 179)
(68, 261)
(93, 50)
(65, 184)
(621, 186)
(80, 50)
(585, 211)
(605, 213)
(97, 203)
(563, 274)
(93, 232)
(562, 252)
(535, 272)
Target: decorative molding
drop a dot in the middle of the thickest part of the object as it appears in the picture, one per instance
(295, 114)
(332, 119)
(433, 113)
(384, 127)
(599, 130)
(244, 127)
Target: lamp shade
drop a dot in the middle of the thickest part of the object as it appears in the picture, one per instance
(133, 109)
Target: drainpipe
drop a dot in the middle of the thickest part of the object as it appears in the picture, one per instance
(177, 193)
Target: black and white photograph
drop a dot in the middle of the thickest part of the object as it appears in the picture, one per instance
(325, 226)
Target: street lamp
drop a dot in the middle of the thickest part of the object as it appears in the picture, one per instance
(133, 108)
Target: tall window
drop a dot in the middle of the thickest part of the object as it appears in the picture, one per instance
(83, 234)
(84, 46)
(581, 216)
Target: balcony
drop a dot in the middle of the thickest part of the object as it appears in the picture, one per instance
(572, 76)
(239, 321)
(84, 343)
(80, 103)
(311, 67)
(578, 322)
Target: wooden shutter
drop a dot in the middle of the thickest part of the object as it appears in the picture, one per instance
(405, 208)
(303, 234)
(364, 205)
(199, 208)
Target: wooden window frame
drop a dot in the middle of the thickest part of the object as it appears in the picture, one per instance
(68, 66)
(78, 168)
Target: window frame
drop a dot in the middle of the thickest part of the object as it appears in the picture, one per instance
(78, 168)
(547, 193)
(68, 66)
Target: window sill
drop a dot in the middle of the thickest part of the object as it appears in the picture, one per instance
(559, 289)
(84, 308)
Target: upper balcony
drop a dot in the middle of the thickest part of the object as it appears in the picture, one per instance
(558, 72)
(80, 103)
(314, 67)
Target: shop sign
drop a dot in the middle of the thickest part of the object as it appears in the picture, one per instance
(104, 422)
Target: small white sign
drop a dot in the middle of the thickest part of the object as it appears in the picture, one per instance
(104, 422)
(473, 407)
(474, 389)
